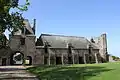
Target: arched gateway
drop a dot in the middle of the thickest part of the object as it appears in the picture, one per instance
(17, 58)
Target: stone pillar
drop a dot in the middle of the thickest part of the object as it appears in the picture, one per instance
(85, 59)
(43, 59)
(96, 58)
(55, 60)
(73, 58)
(62, 58)
(0, 61)
(49, 59)
(26, 51)
(8, 61)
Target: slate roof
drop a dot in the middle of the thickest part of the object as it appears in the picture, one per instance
(60, 41)
(28, 26)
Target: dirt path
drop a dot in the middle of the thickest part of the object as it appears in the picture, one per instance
(15, 73)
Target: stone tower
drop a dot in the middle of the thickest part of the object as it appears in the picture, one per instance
(24, 42)
(102, 44)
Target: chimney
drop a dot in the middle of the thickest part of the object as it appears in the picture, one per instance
(34, 26)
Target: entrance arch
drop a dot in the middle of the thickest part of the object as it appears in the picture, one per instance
(81, 60)
(58, 60)
(17, 58)
(4, 61)
(29, 60)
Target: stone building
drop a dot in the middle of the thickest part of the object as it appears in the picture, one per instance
(59, 49)
(52, 49)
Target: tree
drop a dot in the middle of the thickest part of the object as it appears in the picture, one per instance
(12, 21)
(115, 58)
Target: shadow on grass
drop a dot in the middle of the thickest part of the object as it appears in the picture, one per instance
(67, 72)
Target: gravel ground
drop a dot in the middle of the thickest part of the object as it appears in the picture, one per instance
(15, 73)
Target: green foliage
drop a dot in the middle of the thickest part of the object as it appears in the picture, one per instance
(11, 21)
(115, 58)
(24, 7)
(105, 71)
(2, 40)
(14, 20)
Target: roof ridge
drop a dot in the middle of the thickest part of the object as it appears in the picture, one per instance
(62, 35)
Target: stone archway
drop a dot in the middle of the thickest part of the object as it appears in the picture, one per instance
(4, 61)
(81, 61)
(70, 61)
(90, 59)
(58, 60)
(17, 58)
(29, 60)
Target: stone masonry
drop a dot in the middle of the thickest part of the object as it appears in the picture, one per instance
(52, 49)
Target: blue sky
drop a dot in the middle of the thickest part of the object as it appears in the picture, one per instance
(88, 18)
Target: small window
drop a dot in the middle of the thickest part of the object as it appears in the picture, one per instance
(90, 59)
(46, 50)
(45, 60)
(90, 49)
(70, 48)
(4, 61)
(22, 40)
(58, 60)
(70, 61)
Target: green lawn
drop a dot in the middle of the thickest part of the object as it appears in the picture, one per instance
(106, 71)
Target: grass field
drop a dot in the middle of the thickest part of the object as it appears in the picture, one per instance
(106, 71)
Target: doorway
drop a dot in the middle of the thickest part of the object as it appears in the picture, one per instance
(45, 60)
(4, 61)
(58, 60)
(90, 59)
(29, 60)
(70, 60)
(17, 58)
(81, 60)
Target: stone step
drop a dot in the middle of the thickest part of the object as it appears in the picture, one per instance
(16, 76)
(19, 79)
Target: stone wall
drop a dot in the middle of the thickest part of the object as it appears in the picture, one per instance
(39, 56)
(102, 44)
(5, 54)
(63, 54)
(14, 42)
(28, 49)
